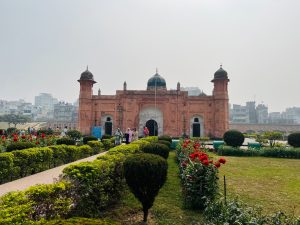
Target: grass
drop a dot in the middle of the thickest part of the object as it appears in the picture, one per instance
(167, 209)
(273, 184)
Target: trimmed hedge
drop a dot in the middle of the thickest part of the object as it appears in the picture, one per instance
(19, 146)
(21, 163)
(81, 221)
(65, 141)
(293, 153)
(99, 184)
(157, 149)
(97, 146)
(165, 138)
(38, 203)
(166, 143)
(86, 139)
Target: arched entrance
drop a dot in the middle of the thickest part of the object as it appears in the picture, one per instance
(108, 126)
(197, 129)
(151, 113)
(153, 127)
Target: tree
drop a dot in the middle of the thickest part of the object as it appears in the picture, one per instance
(14, 119)
(272, 136)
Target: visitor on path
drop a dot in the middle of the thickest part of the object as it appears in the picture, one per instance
(118, 137)
(64, 132)
(128, 133)
(135, 135)
(146, 132)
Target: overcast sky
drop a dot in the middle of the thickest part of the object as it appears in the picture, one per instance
(46, 45)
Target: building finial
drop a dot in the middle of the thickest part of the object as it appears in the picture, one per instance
(221, 65)
(156, 70)
(87, 67)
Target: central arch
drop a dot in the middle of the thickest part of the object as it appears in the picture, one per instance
(148, 114)
(153, 127)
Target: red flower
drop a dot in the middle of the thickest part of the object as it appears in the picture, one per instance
(183, 164)
(205, 162)
(222, 160)
(23, 136)
(37, 143)
(15, 139)
(43, 135)
(217, 164)
(3, 137)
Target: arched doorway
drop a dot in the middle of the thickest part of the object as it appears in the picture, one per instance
(108, 126)
(197, 129)
(153, 127)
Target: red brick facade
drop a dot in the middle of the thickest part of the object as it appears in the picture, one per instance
(174, 111)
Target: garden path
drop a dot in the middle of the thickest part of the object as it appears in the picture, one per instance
(45, 177)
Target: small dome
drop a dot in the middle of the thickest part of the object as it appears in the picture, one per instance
(87, 75)
(157, 81)
(220, 74)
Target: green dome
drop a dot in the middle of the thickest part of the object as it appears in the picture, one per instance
(220, 74)
(157, 81)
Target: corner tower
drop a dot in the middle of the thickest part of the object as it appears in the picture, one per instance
(221, 101)
(85, 102)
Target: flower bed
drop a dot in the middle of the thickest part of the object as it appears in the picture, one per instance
(199, 174)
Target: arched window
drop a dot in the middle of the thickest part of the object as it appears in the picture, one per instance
(196, 120)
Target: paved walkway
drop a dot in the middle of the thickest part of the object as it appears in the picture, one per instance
(45, 177)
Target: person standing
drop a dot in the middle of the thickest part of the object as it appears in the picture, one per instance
(118, 137)
(135, 134)
(146, 132)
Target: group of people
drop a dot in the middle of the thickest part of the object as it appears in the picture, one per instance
(130, 136)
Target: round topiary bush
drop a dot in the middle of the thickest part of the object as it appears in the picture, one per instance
(74, 134)
(106, 136)
(165, 138)
(167, 143)
(145, 174)
(65, 141)
(86, 139)
(233, 138)
(157, 149)
(19, 146)
(294, 139)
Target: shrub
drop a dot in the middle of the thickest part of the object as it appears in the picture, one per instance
(96, 185)
(106, 136)
(235, 151)
(74, 134)
(166, 143)
(65, 141)
(233, 138)
(45, 131)
(80, 221)
(86, 139)
(107, 144)
(6, 166)
(19, 145)
(145, 174)
(294, 139)
(165, 138)
(157, 149)
(97, 146)
(35, 204)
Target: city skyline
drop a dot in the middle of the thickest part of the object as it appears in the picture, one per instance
(45, 46)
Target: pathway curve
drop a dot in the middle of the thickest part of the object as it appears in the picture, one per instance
(45, 177)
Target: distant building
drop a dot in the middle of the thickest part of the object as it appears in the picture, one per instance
(252, 112)
(239, 114)
(293, 114)
(262, 114)
(193, 91)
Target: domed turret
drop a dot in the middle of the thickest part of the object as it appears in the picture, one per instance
(220, 74)
(156, 81)
(87, 75)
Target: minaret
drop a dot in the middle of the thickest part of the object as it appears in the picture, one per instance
(220, 97)
(125, 86)
(178, 86)
(85, 102)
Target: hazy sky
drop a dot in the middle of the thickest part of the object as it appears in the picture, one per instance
(45, 45)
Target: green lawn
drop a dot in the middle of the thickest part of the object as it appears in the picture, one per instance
(272, 183)
(167, 208)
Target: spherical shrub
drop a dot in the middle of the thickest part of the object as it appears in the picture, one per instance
(19, 146)
(167, 143)
(86, 139)
(165, 138)
(233, 138)
(145, 174)
(294, 139)
(157, 149)
(74, 134)
(106, 136)
(65, 141)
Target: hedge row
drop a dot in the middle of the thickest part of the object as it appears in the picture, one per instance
(21, 163)
(100, 183)
(293, 153)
